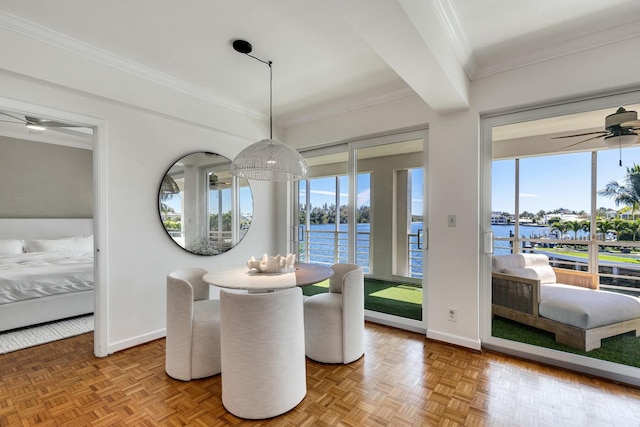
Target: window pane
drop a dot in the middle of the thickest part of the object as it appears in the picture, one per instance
(503, 185)
(618, 222)
(560, 183)
(363, 217)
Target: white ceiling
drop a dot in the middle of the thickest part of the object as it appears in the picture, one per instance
(328, 56)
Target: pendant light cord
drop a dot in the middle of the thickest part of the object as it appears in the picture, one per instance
(269, 63)
(270, 100)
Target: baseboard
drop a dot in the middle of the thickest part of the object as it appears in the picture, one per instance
(454, 339)
(573, 362)
(394, 321)
(134, 341)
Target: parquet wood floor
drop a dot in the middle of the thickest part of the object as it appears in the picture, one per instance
(403, 380)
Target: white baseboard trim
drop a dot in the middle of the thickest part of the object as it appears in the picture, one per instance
(134, 341)
(394, 321)
(454, 339)
(573, 362)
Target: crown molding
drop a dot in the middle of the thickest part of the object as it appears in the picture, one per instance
(523, 55)
(449, 17)
(61, 41)
(344, 107)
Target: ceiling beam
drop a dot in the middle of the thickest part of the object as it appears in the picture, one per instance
(413, 38)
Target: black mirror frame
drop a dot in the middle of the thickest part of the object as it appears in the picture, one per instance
(170, 186)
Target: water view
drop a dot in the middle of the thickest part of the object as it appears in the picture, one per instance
(324, 243)
(527, 232)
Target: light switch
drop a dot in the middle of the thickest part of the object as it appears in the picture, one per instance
(451, 220)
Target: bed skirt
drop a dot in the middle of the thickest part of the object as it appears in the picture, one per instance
(41, 310)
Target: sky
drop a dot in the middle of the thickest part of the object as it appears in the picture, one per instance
(559, 181)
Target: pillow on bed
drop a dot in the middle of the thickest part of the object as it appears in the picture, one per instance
(77, 243)
(11, 247)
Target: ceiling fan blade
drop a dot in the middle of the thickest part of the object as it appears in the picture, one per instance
(632, 124)
(603, 132)
(48, 123)
(13, 117)
(7, 121)
(583, 141)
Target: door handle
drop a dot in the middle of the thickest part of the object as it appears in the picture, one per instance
(488, 242)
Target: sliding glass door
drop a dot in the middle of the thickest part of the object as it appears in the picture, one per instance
(364, 204)
(575, 201)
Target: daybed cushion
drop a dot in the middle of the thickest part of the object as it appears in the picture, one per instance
(586, 308)
(76, 243)
(529, 266)
(500, 262)
(544, 274)
(11, 246)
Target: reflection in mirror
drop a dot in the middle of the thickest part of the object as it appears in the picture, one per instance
(204, 209)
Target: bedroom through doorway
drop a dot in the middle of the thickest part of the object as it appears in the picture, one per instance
(46, 220)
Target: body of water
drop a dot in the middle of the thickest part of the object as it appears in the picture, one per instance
(528, 232)
(322, 245)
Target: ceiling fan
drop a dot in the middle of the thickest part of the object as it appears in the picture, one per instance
(618, 133)
(214, 183)
(35, 123)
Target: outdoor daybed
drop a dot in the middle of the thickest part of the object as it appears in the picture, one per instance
(526, 289)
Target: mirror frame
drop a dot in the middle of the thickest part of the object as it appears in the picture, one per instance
(202, 174)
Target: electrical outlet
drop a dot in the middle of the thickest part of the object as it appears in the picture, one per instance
(453, 314)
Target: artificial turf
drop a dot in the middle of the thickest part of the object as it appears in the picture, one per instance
(398, 299)
(623, 349)
(405, 300)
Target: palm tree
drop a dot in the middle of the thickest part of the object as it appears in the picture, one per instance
(604, 226)
(620, 226)
(634, 228)
(627, 193)
(560, 226)
(575, 226)
(586, 226)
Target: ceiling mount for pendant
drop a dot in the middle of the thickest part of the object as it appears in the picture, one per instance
(242, 46)
(269, 159)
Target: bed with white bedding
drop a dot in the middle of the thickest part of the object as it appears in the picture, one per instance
(46, 270)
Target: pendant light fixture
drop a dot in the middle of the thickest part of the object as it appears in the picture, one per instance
(269, 159)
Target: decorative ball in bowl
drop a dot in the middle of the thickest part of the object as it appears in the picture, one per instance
(273, 264)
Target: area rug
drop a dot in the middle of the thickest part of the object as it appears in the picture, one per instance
(18, 339)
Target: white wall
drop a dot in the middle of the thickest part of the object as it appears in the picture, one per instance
(140, 145)
(454, 257)
(138, 148)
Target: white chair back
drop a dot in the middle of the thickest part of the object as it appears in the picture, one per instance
(262, 352)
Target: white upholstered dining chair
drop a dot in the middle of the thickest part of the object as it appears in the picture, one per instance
(334, 321)
(263, 363)
(193, 327)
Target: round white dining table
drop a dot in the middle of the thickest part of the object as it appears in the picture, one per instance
(242, 277)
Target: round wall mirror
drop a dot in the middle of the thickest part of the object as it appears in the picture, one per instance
(203, 208)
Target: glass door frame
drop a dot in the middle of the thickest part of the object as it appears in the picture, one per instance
(351, 148)
(544, 355)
